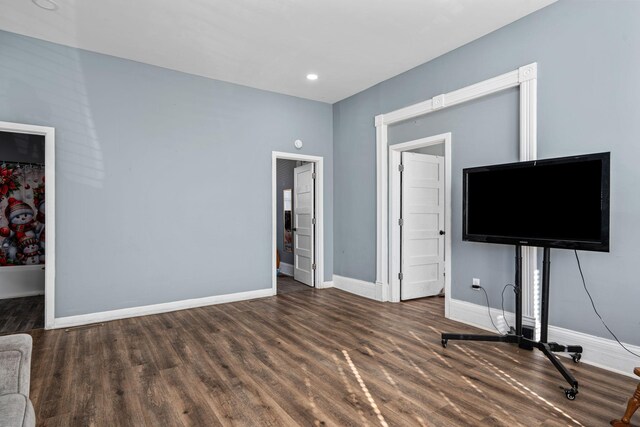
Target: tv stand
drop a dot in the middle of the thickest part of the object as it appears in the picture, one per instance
(515, 336)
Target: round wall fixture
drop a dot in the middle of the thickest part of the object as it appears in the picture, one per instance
(298, 143)
(45, 4)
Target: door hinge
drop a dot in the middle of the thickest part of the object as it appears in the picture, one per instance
(313, 266)
(313, 221)
(400, 276)
(400, 222)
(313, 175)
(401, 167)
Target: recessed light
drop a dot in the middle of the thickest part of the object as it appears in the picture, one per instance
(46, 4)
(312, 76)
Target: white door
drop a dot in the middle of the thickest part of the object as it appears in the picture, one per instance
(303, 223)
(422, 231)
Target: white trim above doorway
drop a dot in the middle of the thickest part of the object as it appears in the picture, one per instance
(524, 78)
(319, 208)
(394, 213)
(50, 211)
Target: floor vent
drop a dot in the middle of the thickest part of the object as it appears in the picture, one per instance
(75, 328)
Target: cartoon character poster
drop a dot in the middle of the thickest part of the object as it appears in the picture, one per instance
(22, 208)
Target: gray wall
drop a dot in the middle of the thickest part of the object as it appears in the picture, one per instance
(587, 54)
(284, 177)
(163, 179)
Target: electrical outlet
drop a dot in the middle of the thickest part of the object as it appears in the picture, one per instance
(476, 281)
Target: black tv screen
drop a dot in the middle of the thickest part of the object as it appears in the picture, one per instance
(555, 203)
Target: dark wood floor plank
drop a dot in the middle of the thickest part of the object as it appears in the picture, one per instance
(280, 359)
(287, 284)
(21, 314)
(304, 357)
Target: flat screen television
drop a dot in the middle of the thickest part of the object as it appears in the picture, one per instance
(555, 203)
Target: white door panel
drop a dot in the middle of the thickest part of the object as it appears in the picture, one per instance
(422, 245)
(303, 227)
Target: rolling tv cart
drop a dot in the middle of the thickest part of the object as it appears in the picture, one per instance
(516, 336)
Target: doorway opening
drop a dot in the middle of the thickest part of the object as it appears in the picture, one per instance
(297, 218)
(420, 218)
(26, 288)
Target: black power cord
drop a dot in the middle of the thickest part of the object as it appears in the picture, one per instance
(503, 315)
(584, 283)
(488, 306)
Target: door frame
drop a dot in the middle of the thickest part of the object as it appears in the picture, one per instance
(524, 78)
(50, 211)
(319, 211)
(395, 157)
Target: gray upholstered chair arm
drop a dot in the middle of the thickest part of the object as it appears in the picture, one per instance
(15, 364)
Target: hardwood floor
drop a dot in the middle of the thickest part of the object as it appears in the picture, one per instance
(21, 314)
(287, 284)
(321, 357)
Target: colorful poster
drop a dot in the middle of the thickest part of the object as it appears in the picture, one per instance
(22, 223)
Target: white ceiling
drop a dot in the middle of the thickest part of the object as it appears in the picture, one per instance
(271, 44)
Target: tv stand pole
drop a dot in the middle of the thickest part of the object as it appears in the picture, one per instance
(516, 336)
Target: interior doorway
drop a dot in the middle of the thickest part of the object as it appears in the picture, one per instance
(421, 225)
(420, 213)
(297, 217)
(26, 298)
(295, 224)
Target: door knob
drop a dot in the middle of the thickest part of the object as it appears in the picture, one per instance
(294, 229)
(442, 232)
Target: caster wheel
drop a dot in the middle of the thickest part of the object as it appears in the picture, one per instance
(576, 357)
(571, 393)
(444, 343)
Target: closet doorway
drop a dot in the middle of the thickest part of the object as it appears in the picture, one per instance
(420, 218)
(26, 227)
(297, 222)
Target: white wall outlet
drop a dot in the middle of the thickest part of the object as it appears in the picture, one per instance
(476, 281)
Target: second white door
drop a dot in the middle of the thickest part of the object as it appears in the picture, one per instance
(422, 230)
(303, 224)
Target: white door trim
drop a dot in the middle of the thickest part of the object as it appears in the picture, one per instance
(319, 207)
(50, 211)
(394, 212)
(524, 78)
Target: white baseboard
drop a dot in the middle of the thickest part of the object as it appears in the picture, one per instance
(21, 294)
(359, 287)
(601, 352)
(104, 316)
(286, 269)
(326, 285)
(476, 314)
(385, 291)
